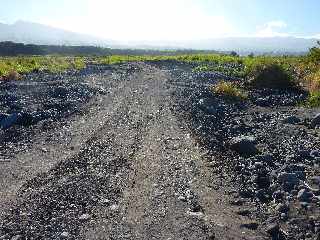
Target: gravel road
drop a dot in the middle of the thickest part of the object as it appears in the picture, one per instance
(141, 155)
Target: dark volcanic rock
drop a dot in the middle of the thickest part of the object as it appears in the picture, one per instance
(244, 145)
(291, 120)
(315, 121)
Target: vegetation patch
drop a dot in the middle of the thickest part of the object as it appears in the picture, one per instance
(313, 100)
(271, 76)
(233, 70)
(24, 65)
(229, 91)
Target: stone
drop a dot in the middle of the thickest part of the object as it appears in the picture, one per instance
(17, 237)
(85, 217)
(263, 102)
(244, 145)
(207, 107)
(9, 120)
(244, 212)
(282, 208)
(315, 121)
(273, 229)
(290, 178)
(315, 154)
(114, 207)
(315, 180)
(64, 235)
(291, 120)
(304, 195)
(250, 225)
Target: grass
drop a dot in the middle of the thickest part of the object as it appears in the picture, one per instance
(24, 65)
(229, 91)
(259, 71)
(313, 100)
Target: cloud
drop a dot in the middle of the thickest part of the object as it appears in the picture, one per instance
(273, 29)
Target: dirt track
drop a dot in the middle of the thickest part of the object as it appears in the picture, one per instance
(127, 166)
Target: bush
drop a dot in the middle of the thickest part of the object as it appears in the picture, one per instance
(271, 75)
(313, 81)
(229, 91)
(13, 75)
(314, 99)
(314, 54)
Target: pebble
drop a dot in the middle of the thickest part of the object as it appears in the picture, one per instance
(85, 217)
(64, 235)
(114, 207)
(17, 237)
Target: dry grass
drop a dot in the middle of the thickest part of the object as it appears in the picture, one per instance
(229, 90)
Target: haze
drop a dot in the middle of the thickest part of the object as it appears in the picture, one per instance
(171, 20)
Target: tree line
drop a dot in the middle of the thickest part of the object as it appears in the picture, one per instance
(17, 49)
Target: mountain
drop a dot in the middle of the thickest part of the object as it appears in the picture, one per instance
(34, 33)
(258, 45)
(242, 45)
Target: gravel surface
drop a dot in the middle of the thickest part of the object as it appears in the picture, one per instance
(146, 151)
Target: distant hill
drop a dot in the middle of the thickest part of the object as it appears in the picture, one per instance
(34, 33)
(244, 45)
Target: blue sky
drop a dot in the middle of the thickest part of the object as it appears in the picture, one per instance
(171, 19)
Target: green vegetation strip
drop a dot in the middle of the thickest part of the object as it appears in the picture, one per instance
(260, 71)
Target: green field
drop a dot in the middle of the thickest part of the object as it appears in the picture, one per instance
(265, 71)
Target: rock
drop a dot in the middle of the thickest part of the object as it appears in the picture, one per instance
(114, 207)
(262, 180)
(273, 229)
(304, 195)
(315, 154)
(291, 120)
(315, 121)
(207, 107)
(290, 178)
(244, 145)
(9, 120)
(85, 217)
(315, 180)
(244, 212)
(263, 102)
(282, 208)
(17, 237)
(25, 119)
(250, 225)
(64, 235)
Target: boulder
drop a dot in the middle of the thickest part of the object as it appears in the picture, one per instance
(244, 145)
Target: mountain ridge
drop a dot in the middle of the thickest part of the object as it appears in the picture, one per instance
(36, 33)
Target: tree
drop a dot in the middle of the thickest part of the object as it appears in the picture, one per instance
(234, 54)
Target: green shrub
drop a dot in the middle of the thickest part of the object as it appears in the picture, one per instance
(270, 75)
(314, 99)
(229, 91)
(314, 54)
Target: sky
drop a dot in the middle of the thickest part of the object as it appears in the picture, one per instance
(158, 20)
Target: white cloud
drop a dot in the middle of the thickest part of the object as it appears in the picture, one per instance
(272, 29)
(129, 20)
